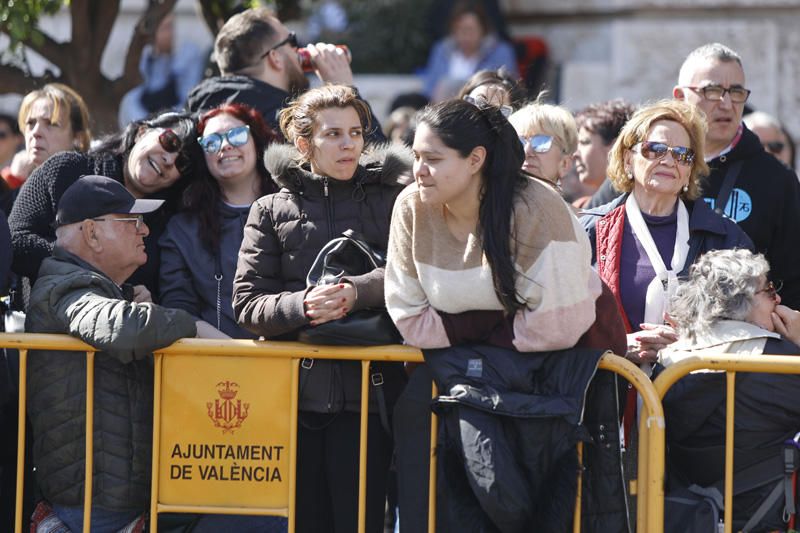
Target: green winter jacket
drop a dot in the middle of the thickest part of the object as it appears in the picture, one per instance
(70, 296)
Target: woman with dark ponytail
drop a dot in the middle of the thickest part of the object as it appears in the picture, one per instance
(508, 246)
(479, 253)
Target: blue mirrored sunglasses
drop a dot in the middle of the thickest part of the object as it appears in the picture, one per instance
(212, 142)
(540, 144)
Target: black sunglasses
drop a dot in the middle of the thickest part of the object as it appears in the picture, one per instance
(291, 40)
(774, 147)
(656, 150)
(170, 141)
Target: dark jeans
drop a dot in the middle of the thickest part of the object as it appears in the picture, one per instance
(327, 473)
(412, 430)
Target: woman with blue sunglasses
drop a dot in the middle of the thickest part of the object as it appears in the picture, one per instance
(200, 246)
(549, 137)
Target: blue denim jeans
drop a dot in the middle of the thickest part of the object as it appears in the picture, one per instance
(103, 520)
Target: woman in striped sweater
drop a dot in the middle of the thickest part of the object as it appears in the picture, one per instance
(478, 253)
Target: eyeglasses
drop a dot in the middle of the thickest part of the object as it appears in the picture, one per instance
(772, 290)
(739, 95)
(212, 143)
(170, 141)
(291, 40)
(655, 150)
(482, 103)
(774, 147)
(138, 219)
(540, 144)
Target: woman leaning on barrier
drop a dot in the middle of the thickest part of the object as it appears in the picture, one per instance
(729, 305)
(329, 184)
(489, 272)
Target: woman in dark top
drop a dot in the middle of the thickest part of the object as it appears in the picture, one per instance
(152, 158)
(200, 246)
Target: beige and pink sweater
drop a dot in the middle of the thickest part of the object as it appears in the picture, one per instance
(439, 290)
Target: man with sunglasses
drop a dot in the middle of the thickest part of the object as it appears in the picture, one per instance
(259, 66)
(82, 291)
(772, 136)
(746, 184)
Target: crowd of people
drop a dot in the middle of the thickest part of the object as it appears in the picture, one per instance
(206, 220)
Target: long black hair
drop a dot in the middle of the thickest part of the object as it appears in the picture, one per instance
(190, 156)
(462, 126)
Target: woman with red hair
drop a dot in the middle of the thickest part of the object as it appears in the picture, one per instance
(200, 246)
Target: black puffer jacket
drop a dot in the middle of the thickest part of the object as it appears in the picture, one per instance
(509, 425)
(282, 237)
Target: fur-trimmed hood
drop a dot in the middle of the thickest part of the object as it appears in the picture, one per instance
(387, 164)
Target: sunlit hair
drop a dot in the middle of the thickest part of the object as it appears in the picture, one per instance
(203, 194)
(65, 103)
(501, 79)
(722, 285)
(636, 130)
(243, 39)
(547, 119)
(605, 118)
(706, 52)
(299, 117)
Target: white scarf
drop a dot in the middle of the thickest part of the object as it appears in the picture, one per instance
(665, 283)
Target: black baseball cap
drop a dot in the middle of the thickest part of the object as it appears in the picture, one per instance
(94, 196)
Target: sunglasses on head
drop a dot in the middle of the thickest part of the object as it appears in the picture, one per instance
(212, 143)
(482, 103)
(658, 150)
(540, 144)
(774, 147)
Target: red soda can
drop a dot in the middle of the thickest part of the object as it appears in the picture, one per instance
(304, 57)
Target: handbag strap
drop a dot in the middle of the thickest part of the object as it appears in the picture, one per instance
(727, 187)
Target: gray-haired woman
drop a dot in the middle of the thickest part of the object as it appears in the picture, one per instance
(728, 305)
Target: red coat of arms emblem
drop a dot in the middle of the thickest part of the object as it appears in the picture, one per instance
(227, 412)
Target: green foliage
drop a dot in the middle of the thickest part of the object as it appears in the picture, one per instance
(19, 19)
(388, 36)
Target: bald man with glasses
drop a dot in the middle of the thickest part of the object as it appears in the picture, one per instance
(746, 183)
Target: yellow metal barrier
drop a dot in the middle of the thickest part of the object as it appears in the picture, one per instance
(730, 364)
(651, 457)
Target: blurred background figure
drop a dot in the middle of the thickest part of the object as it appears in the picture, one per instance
(11, 140)
(327, 22)
(471, 45)
(168, 71)
(549, 137)
(496, 87)
(772, 135)
(598, 127)
(53, 119)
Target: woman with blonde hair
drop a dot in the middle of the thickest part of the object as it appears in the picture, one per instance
(549, 137)
(52, 119)
(646, 238)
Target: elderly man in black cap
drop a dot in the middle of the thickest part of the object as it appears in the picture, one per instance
(81, 291)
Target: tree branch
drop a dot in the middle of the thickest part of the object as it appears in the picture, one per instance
(103, 19)
(50, 49)
(14, 80)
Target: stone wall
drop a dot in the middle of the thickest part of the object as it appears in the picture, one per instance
(633, 49)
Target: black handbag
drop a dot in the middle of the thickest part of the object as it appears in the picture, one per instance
(349, 255)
